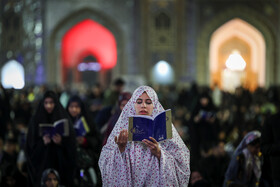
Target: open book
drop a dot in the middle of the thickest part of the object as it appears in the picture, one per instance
(142, 127)
(81, 127)
(59, 127)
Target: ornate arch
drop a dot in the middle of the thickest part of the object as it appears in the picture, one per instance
(246, 14)
(54, 63)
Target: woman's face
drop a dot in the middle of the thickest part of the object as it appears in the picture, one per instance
(204, 101)
(144, 105)
(49, 104)
(123, 103)
(74, 109)
(51, 180)
(254, 149)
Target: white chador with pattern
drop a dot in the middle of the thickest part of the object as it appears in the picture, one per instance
(136, 166)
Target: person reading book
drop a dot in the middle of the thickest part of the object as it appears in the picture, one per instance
(145, 163)
(87, 138)
(56, 152)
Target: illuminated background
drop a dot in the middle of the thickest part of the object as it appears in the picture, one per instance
(150, 41)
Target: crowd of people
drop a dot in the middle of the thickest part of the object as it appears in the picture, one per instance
(210, 126)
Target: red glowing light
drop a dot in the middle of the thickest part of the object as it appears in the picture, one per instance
(89, 38)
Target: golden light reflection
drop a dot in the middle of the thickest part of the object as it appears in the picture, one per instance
(235, 62)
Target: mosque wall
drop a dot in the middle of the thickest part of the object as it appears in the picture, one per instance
(141, 38)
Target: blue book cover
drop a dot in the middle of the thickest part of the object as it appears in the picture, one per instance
(206, 114)
(81, 127)
(142, 127)
(59, 127)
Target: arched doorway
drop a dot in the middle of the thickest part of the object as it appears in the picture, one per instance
(203, 71)
(85, 46)
(54, 64)
(238, 35)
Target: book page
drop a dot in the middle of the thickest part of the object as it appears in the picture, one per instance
(168, 124)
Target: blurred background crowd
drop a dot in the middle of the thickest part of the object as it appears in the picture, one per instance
(210, 121)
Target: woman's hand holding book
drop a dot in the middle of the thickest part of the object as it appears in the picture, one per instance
(122, 139)
(152, 144)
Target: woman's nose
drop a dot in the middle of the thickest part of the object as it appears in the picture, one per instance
(143, 104)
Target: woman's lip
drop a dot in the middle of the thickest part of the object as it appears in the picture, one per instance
(143, 112)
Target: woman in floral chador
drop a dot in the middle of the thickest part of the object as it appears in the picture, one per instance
(146, 163)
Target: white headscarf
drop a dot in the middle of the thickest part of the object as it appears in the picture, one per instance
(252, 162)
(136, 166)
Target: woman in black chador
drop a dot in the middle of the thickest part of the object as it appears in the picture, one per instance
(204, 126)
(46, 151)
(88, 143)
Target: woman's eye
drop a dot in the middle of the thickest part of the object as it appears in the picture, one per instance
(139, 102)
(149, 102)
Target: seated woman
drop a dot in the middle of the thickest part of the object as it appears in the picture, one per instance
(146, 163)
(245, 166)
